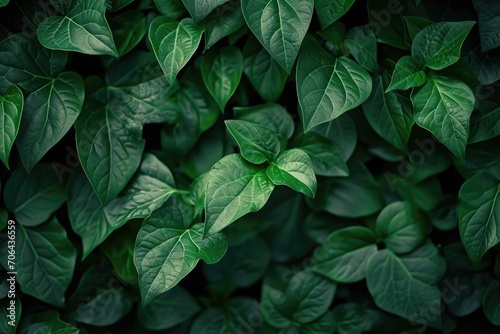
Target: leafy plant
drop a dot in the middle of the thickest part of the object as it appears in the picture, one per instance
(250, 166)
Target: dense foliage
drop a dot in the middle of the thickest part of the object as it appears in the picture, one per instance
(250, 166)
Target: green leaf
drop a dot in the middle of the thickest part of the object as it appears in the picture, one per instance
(390, 117)
(485, 127)
(265, 74)
(402, 227)
(327, 86)
(405, 285)
(326, 158)
(479, 213)
(407, 74)
(351, 318)
(11, 110)
(443, 106)
(387, 22)
(222, 70)
(199, 9)
(33, 198)
(362, 45)
(488, 14)
(438, 45)
(168, 310)
(341, 132)
(151, 186)
(174, 43)
(4, 3)
(280, 26)
(342, 258)
(81, 28)
(46, 263)
(301, 298)
(99, 290)
(167, 248)
(329, 11)
(171, 8)
(49, 113)
(416, 23)
(270, 115)
(491, 302)
(128, 29)
(257, 143)
(294, 169)
(235, 188)
(222, 22)
(119, 4)
(467, 291)
(46, 322)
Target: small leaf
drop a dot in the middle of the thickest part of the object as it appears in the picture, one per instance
(270, 115)
(342, 258)
(330, 11)
(407, 74)
(82, 28)
(235, 188)
(443, 106)
(280, 26)
(416, 23)
(199, 9)
(11, 110)
(294, 168)
(174, 43)
(167, 248)
(222, 22)
(479, 213)
(327, 86)
(438, 45)
(222, 70)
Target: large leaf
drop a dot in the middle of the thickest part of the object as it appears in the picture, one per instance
(199, 9)
(479, 213)
(168, 248)
(235, 188)
(407, 74)
(330, 11)
(45, 261)
(488, 13)
(438, 45)
(342, 258)
(11, 109)
(129, 29)
(222, 70)
(33, 198)
(82, 28)
(49, 113)
(401, 226)
(280, 26)
(294, 169)
(491, 302)
(391, 118)
(174, 43)
(443, 106)
(327, 86)
(405, 285)
(264, 73)
(152, 186)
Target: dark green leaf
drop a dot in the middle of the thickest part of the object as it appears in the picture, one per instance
(407, 74)
(222, 22)
(11, 110)
(330, 11)
(491, 302)
(129, 29)
(270, 115)
(362, 45)
(199, 9)
(46, 322)
(171, 8)
(488, 14)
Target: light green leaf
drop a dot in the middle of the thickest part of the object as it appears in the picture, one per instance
(199, 9)
(221, 71)
(362, 44)
(128, 29)
(167, 248)
(174, 43)
(329, 11)
(406, 284)
(438, 45)
(390, 117)
(327, 86)
(342, 258)
(49, 113)
(235, 188)
(81, 28)
(407, 74)
(491, 302)
(326, 158)
(11, 110)
(265, 74)
(443, 106)
(280, 26)
(46, 263)
(152, 186)
(33, 198)
(257, 143)
(270, 115)
(402, 227)
(168, 310)
(222, 22)
(479, 213)
(46, 322)
(294, 169)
